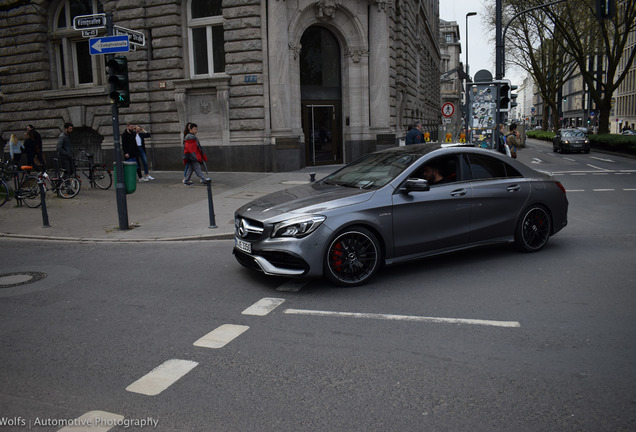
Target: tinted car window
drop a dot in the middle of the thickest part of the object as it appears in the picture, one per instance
(484, 167)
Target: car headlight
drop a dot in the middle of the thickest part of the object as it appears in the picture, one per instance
(297, 227)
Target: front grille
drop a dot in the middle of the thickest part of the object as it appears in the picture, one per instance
(248, 229)
(285, 260)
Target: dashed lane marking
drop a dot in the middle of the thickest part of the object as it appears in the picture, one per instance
(292, 285)
(403, 318)
(263, 306)
(221, 336)
(162, 377)
(93, 421)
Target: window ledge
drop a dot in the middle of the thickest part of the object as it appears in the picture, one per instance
(75, 92)
(206, 82)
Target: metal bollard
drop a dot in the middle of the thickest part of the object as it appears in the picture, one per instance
(312, 177)
(45, 214)
(208, 183)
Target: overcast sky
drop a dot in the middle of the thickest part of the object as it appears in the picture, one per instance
(481, 50)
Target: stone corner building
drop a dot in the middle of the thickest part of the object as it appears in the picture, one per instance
(273, 85)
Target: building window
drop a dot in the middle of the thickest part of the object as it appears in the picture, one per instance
(74, 66)
(205, 34)
(449, 38)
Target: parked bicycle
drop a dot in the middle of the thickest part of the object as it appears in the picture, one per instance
(25, 187)
(65, 187)
(97, 174)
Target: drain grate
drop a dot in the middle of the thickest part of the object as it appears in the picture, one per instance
(20, 278)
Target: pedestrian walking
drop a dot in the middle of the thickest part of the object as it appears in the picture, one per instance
(65, 150)
(415, 134)
(193, 155)
(37, 139)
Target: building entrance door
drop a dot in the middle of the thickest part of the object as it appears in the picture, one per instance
(322, 137)
(321, 96)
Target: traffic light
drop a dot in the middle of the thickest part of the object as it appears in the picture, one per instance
(513, 96)
(118, 79)
(504, 95)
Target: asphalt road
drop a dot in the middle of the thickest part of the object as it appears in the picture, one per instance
(483, 340)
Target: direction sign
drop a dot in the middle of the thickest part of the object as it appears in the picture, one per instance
(136, 37)
(108, 45)
(84, 22)
(448, 109)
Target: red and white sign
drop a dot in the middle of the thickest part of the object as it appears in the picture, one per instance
(448, 109)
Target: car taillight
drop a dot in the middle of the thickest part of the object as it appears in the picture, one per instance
(560, 186)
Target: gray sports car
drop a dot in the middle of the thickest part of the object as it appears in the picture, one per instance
(397, 205)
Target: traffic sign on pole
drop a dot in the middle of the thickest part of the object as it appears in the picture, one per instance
(109, 45)
(136, 37)
(85, 22)
(448, 109)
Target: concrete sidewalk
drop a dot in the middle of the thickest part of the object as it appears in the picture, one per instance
(163, 209)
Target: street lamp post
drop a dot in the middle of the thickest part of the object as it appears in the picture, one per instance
(469, 14)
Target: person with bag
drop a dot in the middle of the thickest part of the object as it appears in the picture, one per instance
(193, 155)
(512, 139)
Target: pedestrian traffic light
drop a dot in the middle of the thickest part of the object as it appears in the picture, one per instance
(118, 79)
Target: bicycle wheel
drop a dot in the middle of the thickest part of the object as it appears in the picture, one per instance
(102, 178)
(4, 192)
(30, 192)
(69, 187)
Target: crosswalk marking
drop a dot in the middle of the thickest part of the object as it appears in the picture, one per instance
(162, 377)
(263, 306)
(221, 336)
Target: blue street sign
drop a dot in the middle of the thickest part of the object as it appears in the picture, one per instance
(109, 45)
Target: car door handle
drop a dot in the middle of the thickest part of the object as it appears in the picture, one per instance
(513, 188)
(458, 192)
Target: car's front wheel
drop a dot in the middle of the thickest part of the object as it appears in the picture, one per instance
(533, 230)
(353, 257)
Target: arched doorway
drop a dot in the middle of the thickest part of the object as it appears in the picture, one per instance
(321, 96)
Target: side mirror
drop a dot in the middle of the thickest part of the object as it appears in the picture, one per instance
(415, 185)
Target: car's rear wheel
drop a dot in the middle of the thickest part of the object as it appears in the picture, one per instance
(533, 230)
(353, 257)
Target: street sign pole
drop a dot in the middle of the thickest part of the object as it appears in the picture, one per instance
(120, 188)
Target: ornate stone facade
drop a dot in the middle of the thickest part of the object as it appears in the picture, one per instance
(259, 112)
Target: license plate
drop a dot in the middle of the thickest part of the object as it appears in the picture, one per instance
(243, 245)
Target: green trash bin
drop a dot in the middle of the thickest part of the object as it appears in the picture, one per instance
(130, 176)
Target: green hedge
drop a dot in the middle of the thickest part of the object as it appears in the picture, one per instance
(616, 143)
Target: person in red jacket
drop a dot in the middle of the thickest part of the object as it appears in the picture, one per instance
(193, 155)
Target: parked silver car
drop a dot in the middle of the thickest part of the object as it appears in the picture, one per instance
(386, 208)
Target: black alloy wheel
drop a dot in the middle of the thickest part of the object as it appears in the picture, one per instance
(533, 230)
(353, 257)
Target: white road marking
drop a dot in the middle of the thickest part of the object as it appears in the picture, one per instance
(221, 336)
(603, 190)
(263, 306)
(629, 189)
(162, 377)
(598, 168)
(569, 159)
(292, 285)
(93, 421)
(601, 159)
(536, 161)
(574, 190)
(404, 318)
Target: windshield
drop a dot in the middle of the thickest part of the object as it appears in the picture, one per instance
(372, 171)
(573, 134)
